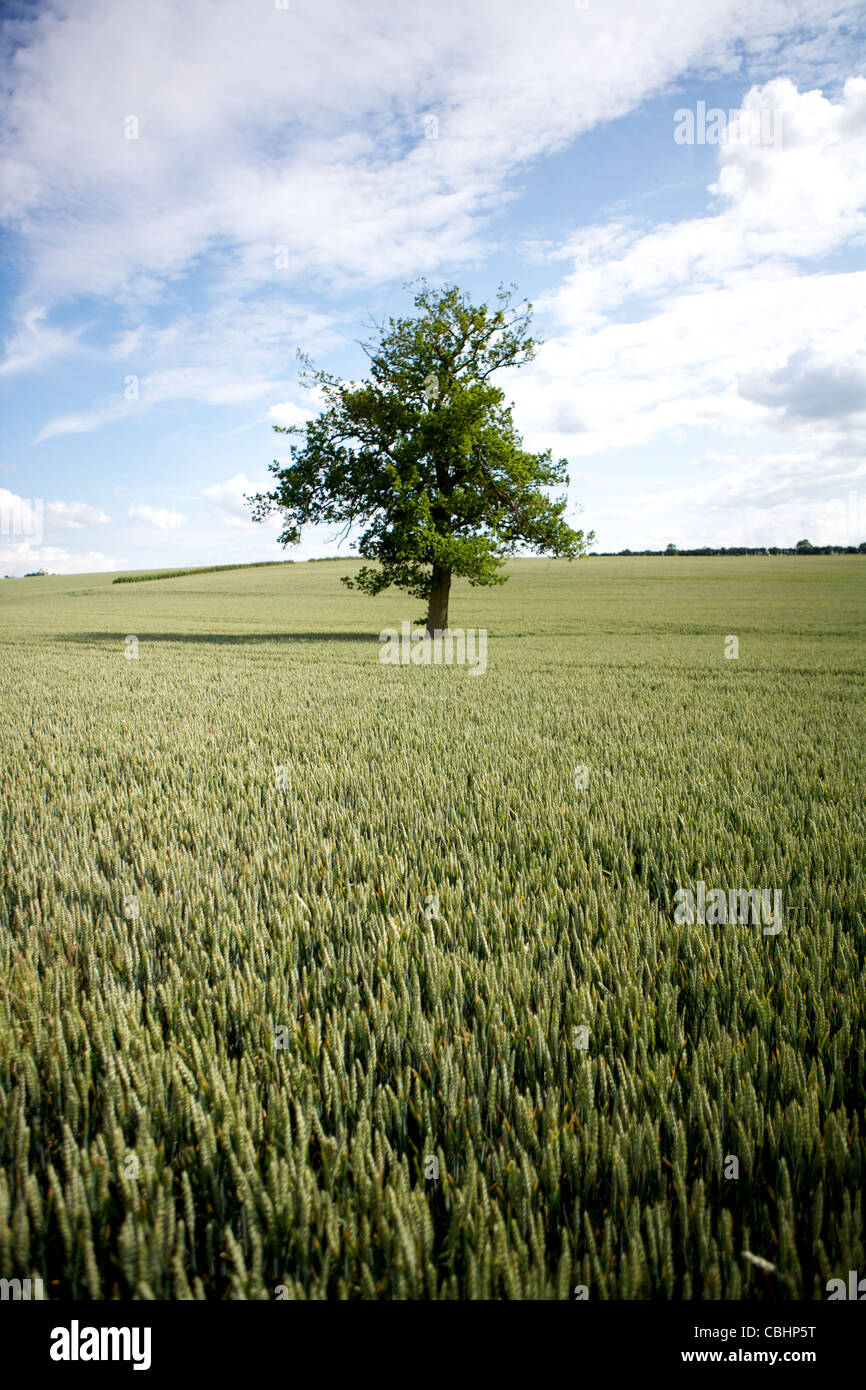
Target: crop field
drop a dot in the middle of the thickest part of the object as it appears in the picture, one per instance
(327, 978)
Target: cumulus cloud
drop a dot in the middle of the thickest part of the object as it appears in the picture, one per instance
(775, 210)
(725, 296)
(75, 515)
(162, 518)
(806, 389)
(230, 498)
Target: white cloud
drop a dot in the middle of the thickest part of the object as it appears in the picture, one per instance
(189, 383)
(161, 518)
(806, 388)
(229, 498)
(287, 413)
(756, 502)
(213, 387)
(737, 333)
(243, 147)
(776, 208)
(102, 413)
(225, 356)
(22, 558)
(32, 344)
(75, 515)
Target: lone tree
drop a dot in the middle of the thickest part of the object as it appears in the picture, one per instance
(425, 455)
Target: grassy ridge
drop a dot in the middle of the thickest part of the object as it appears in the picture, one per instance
(280, 926)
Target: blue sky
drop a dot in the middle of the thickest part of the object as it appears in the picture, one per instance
(192, 192)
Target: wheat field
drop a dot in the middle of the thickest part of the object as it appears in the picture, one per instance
(324, 978)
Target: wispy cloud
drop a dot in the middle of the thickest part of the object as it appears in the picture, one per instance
(34, 343)
(101, 414)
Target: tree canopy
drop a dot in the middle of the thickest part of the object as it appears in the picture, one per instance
(424, 455)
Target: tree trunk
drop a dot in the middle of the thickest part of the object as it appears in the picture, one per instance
(437, 610)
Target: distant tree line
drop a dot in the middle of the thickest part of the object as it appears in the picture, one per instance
(801, 548)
